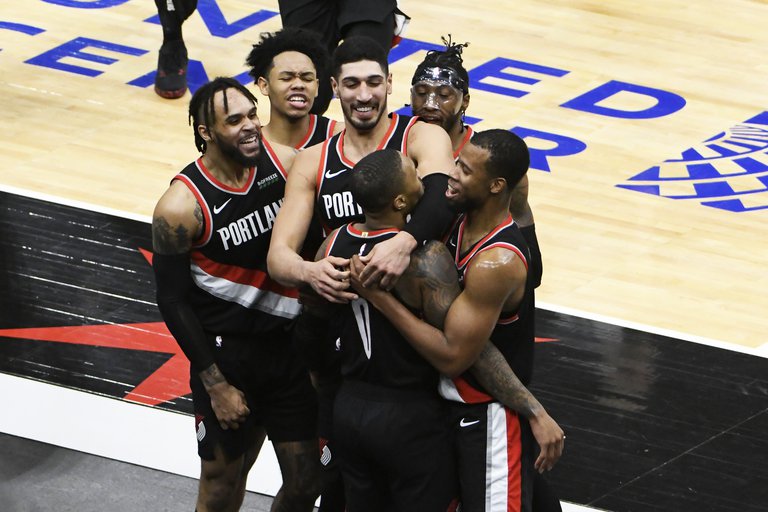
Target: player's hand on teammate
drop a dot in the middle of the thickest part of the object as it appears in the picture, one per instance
(387, 261)
(356, 268)
(229, 405)
(550, 438)
(329, 277)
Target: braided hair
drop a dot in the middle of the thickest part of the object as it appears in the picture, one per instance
(201, 108)
(450, 58)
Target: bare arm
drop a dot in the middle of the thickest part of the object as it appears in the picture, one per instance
(496, 274)
(430, 147)
(283, 260)
(176, 222)
(495, 375)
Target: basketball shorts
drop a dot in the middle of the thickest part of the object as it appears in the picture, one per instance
(394, 449)
(277, 389)
(495, 455)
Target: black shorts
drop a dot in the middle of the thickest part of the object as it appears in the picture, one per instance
(394, 449)
(494, 449)
(277, 389)
(330, 17)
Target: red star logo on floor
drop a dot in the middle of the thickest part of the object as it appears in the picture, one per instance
(167, 383)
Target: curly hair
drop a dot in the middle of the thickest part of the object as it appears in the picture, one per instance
(290, 39)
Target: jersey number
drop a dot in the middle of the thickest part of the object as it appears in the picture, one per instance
(363, 319)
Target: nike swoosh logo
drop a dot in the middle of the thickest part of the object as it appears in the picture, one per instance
(217, 209)
(329, 174)
(465, 423)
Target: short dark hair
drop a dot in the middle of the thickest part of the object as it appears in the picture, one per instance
(377, 179)
(290, 39)
(450, 58)
(508, 154)
(201, 108)
(355, 49)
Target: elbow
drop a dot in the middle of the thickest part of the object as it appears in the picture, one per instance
(453, 369)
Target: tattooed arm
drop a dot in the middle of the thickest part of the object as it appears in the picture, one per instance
(176, 223)
(469, 319)
(494, 373)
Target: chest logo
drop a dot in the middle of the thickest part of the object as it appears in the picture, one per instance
(330, 174)
(217, 209)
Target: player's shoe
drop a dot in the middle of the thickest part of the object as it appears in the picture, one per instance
(171, 77)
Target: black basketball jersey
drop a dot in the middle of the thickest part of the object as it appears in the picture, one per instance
(234, 294)
(334, 204)
(371, 348)
(514, 331)
(320, 129)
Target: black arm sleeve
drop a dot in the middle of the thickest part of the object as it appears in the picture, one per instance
(536, 265)
(174, 283)
(432, 217)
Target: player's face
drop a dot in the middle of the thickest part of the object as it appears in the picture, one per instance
(468, 183)
(362, 88)
(438, 104)
(413, 188)
(291, 85)
(237, 131)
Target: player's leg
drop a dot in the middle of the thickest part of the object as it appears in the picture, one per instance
(421, 460)
(300, 469)
(171, 78)
(223, 478)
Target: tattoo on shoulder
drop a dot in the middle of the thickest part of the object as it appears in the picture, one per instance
(167, 239)
(436, 273)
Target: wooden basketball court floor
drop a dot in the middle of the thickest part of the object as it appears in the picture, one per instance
(648, 127)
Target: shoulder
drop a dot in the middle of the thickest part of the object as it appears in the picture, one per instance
(176, 220)
(496, 268)
(284, 154)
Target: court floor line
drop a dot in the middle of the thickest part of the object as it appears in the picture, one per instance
(122, 431)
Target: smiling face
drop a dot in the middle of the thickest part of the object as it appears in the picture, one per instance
(291, 84)
(362, 88)
(469, 183)
(237, 130)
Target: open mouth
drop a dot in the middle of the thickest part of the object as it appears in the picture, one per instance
(298, 101)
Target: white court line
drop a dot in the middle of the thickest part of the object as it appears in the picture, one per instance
(121, 430)
(761, 351)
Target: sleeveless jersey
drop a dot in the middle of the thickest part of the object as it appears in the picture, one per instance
(514, 331)
(233, 292)
(334, 204)
(467, 136)
(371, 349)
(320, 129)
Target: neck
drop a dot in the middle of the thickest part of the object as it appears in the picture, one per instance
(358, 144)
(383, 220)
(225, 169)
(288, 131)
(457, 133)
(484, 219)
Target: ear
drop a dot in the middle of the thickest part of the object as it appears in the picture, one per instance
(465, 102)
(204, 132)
(263, 85)
(498, 185)
(335, 86)
(400, 202)
(389, 83)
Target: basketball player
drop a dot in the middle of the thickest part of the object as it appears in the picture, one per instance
(440, 95)
(285, 65)
(335, 20)
(210, 232)
(319, 178)
(494, 443)
(390, 433)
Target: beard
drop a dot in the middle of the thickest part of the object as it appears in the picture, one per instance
(233, 152)
(458, 204)
(359, 124)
